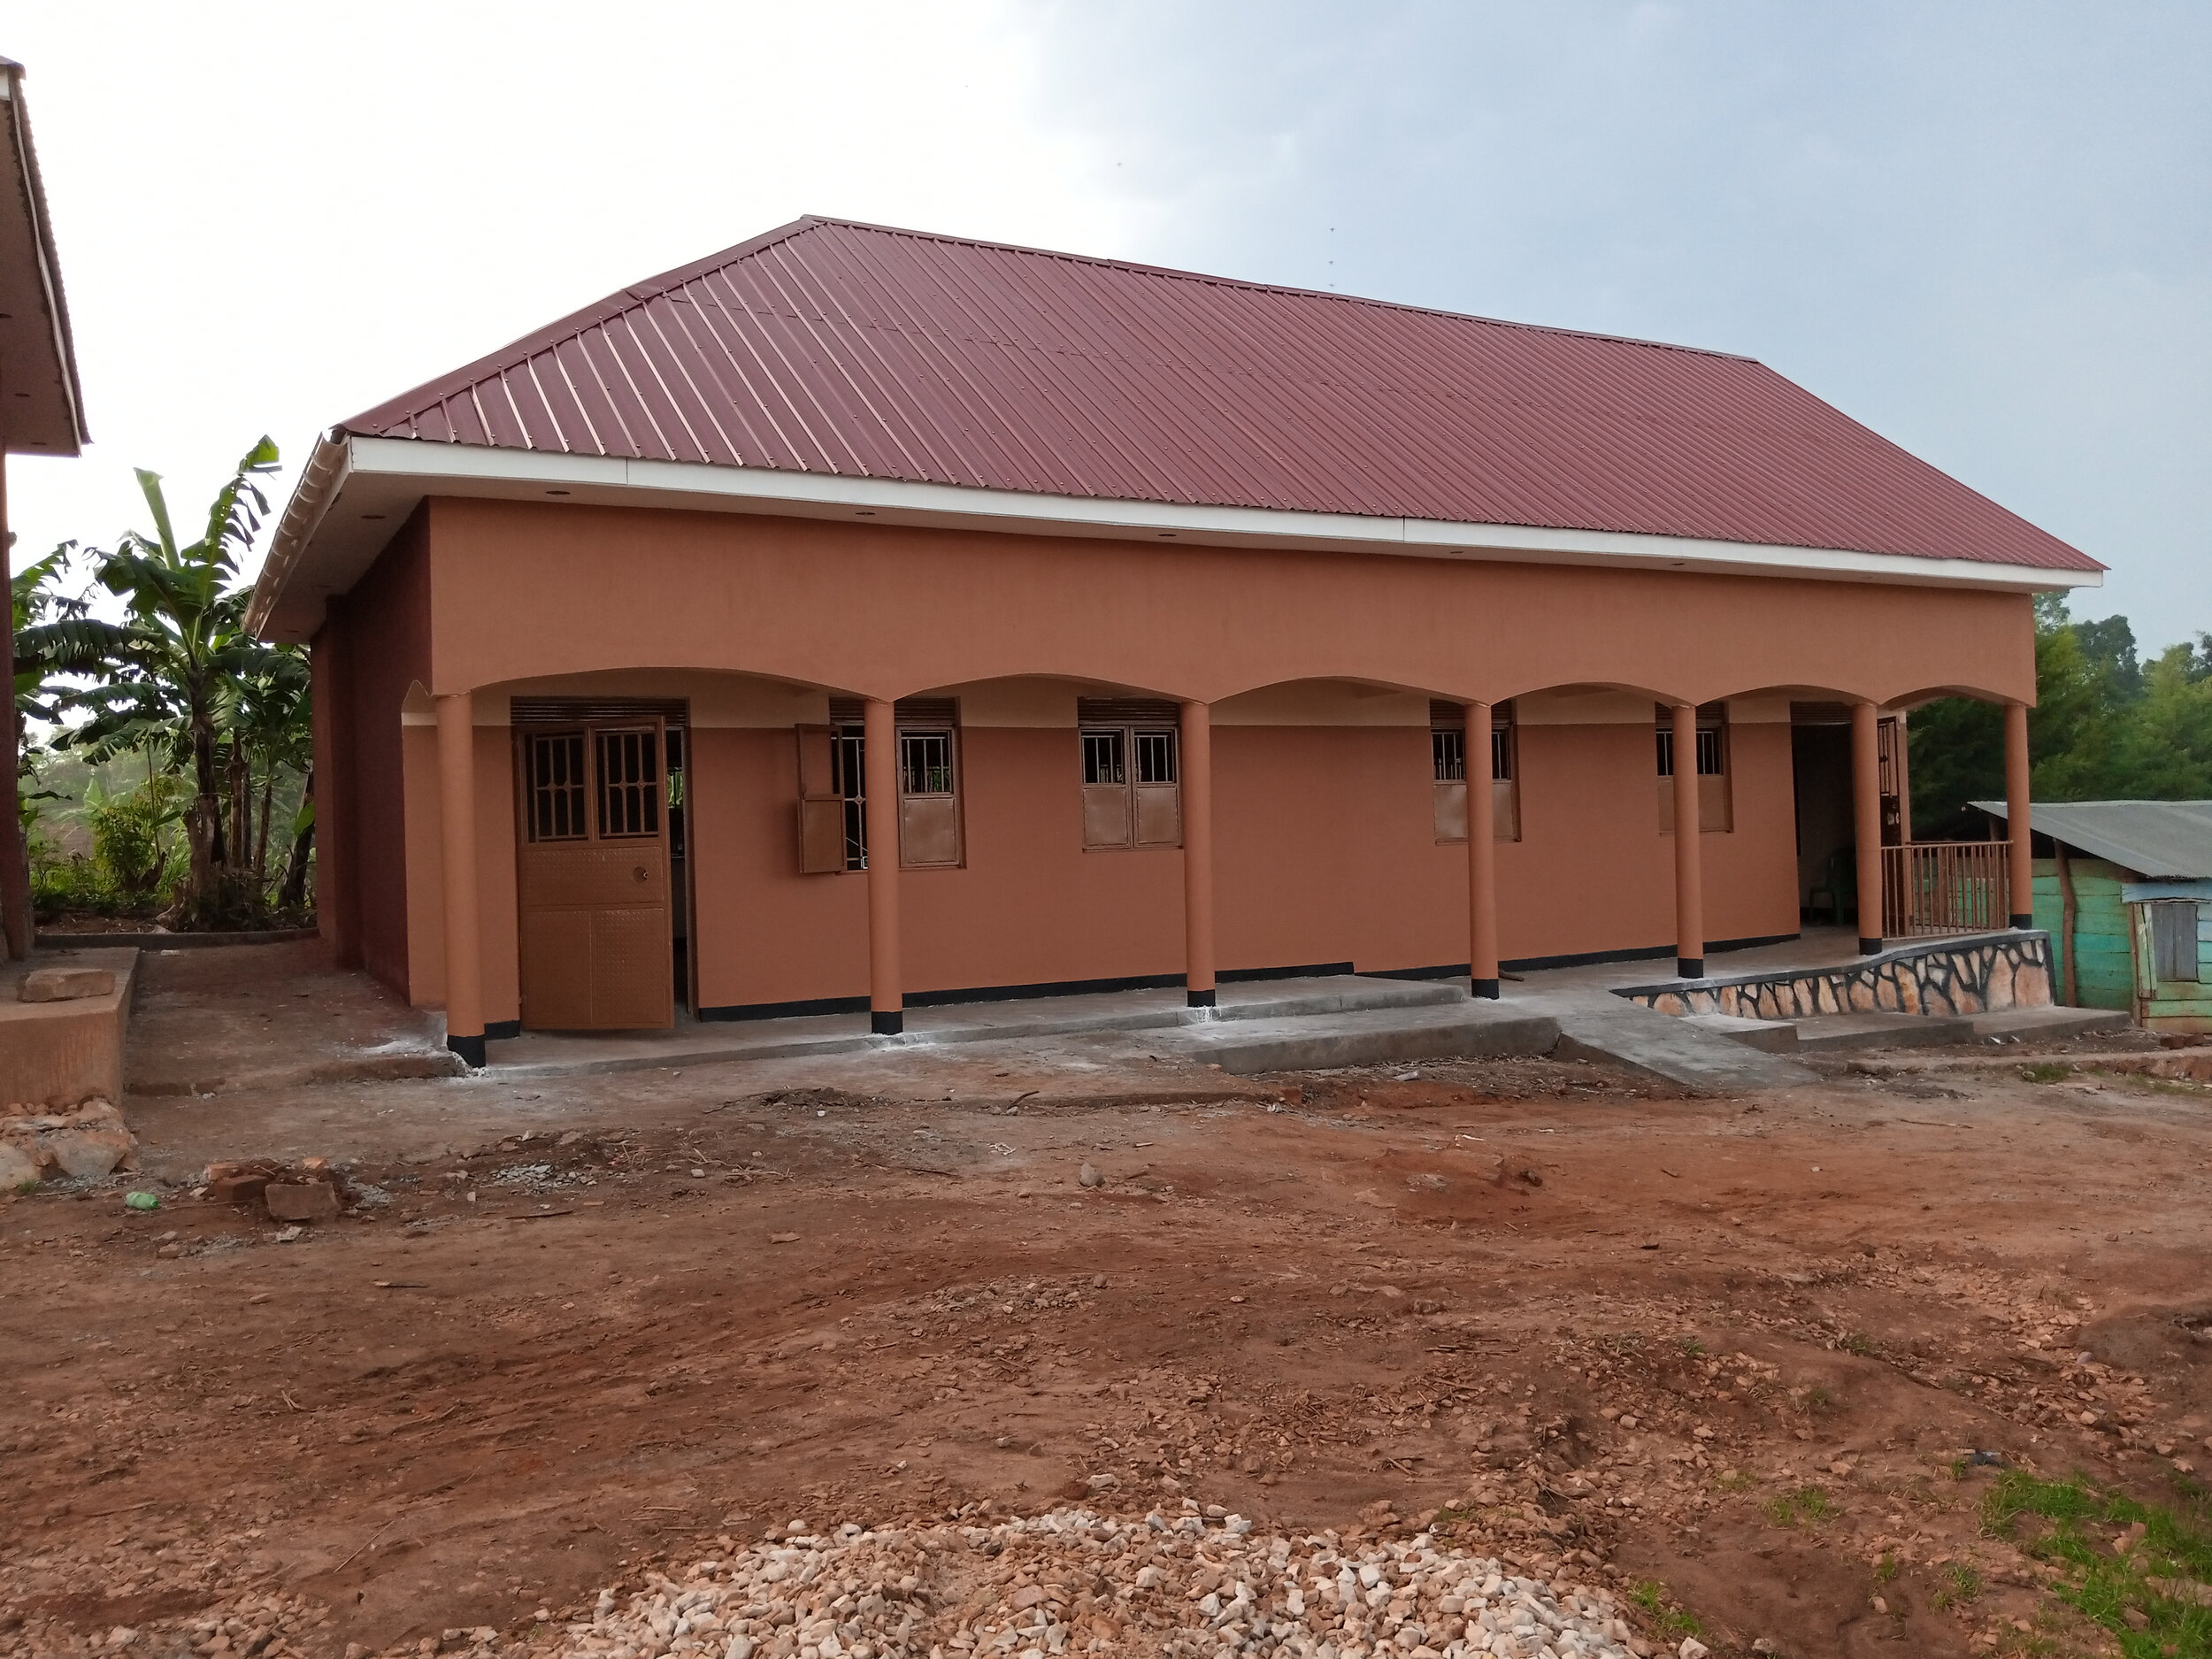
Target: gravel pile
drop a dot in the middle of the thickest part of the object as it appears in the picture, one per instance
(1071, 1582)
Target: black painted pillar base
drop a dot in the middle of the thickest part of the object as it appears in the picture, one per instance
(1484, 988)
(1689, 967)
(1199, 999)
(1869, 947)
(470, 1048)
(2023, 922)
(885, 1025)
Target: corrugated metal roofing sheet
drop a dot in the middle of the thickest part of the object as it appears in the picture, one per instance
(2152, 838)
(840, 347)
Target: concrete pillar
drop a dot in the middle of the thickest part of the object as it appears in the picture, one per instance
(2020, 824)
(457, 841)
(1689, 869)
(1866, 823)
(1482, 859)
(879, 787)
(1197, 787)
(16, 927)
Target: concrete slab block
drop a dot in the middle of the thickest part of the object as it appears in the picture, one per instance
(2049, 1025)
(1853, 1033)
(1768, 1036)
(57, 1054)
(1314, 1043)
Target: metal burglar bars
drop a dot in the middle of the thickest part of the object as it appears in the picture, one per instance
(1947, 888)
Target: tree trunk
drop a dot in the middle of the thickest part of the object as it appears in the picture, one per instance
(294, 895)
(204, 818)
(261, 838)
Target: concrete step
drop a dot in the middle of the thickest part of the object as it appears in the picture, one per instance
(1677, 1051)
(1247, 1002)
(2049, 1025)
(1768, 1036)
(1312, 1042)
(1852, 1033)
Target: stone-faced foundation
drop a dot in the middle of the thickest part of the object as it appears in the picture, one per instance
(1973, 974)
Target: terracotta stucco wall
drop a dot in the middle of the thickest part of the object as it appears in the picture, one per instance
(1328, 853)
(1326, 846)
(386, 624)
(523, 590)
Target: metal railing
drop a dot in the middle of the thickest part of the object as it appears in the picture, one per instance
(1946, 888)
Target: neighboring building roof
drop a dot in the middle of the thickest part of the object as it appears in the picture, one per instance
(41, 405)
(829, 347)
(2152, 838)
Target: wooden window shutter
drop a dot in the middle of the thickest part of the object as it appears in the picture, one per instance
(821, 805)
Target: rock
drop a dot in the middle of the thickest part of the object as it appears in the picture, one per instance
(301, 1201)
(87, 1148)
(1088, 1176)
(65, 985)
(19, 1162)
(1691, 1648)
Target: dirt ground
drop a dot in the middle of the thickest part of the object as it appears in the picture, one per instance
(1741, 1354)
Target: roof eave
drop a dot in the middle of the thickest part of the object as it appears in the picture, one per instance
(66, 432)
(322, 542)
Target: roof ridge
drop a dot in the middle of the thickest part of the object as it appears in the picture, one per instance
(637, 294)
(814, 221)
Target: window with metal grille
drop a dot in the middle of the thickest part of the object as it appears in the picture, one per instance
(1710, 761)
(1131, 797)
(847, 755)
(1155, 758)
(1448, 755)
(2174, 940)
(629, 784)
(925, 763)
(557, 786)
(1103, 759)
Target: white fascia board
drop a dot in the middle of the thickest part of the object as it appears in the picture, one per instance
(418, 467)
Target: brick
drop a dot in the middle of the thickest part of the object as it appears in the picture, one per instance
(301, 1201)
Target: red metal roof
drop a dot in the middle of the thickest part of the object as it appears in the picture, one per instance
(840, 347)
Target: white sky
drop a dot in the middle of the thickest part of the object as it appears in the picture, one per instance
(1986, 229)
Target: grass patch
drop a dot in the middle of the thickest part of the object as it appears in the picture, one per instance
(1808, 1506)
(1734, 1480)
(2148, 1595)
(1885, 1568)
(1858, 1342)
(1960, 1585)
(2047, 1074)
(1672, 1618)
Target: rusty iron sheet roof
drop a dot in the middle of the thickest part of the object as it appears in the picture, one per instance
(832, 347)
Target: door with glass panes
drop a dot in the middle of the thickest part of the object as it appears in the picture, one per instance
(592, 867)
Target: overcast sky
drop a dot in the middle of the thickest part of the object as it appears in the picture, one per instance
(1983, 229)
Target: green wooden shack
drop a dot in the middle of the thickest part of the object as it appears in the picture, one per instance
(2124, 889)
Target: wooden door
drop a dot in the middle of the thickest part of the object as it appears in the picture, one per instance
(592, 867)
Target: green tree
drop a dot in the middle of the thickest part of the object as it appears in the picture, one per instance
(2166, 754)
(182, 677)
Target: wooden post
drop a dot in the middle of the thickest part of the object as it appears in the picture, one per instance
(1482, 858)
(1903, 772)
(1689, 874)
(879, 792)
(15, 871)
(2069, 917)
(1866, 823)
(2018, 811)
(1197, 774)
(456, 835)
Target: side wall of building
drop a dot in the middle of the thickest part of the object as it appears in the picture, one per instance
(380, 632)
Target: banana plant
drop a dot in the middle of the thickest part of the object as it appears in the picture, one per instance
(166, 675)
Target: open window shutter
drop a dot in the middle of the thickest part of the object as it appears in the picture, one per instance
(821, 808)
